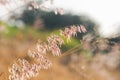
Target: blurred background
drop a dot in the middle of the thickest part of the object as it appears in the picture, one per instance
(94, 55)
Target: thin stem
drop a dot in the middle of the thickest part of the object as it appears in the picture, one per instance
(50, 72)
(72, 50)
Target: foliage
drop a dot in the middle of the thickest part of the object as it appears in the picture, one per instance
(52, 21)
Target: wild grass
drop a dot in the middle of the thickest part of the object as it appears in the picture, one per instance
(23, 70)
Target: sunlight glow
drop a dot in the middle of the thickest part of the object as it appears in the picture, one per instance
(105, 12)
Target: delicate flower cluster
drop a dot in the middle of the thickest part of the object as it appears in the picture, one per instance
(36, 5)
(41, 61)
(52, 45)
(54, 42)
(42, 47)
(72, 31)
(23, 70)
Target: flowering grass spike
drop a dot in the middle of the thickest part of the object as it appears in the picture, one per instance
(23, 70)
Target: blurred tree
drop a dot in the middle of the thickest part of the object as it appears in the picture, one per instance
(32, 15)
(28, 17)
(49, 20)
(52, 21)
(115, 39)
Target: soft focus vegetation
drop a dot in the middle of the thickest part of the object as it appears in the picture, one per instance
(86, 57)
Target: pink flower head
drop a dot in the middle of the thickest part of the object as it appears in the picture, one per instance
(74, 30)
(79, 29)
(83, 29)
(42, 48)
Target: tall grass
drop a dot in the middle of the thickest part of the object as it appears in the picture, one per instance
(24, 70)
